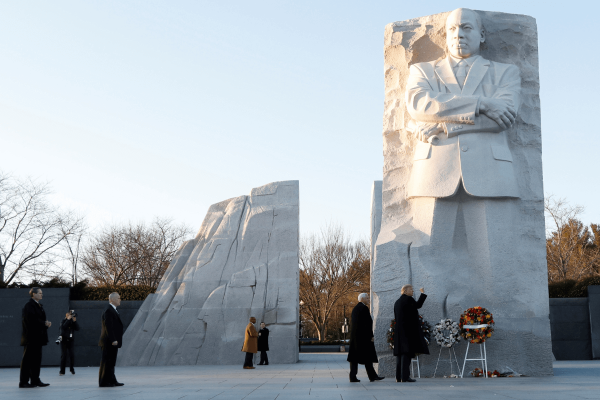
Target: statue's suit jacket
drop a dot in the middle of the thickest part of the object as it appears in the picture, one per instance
(474, 148)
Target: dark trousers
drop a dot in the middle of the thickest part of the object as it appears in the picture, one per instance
(368, 366)
(248, 360)
(403, 367)
(107, 365)
(66, 350)
(264, 359)
(31, 363)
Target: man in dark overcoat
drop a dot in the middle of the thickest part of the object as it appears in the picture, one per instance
(111, 340)
(263, 344)
(362, 341)
(33, 336)
(408, 336)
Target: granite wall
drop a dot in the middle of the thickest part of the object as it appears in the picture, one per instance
(242, 263)
(56, 303)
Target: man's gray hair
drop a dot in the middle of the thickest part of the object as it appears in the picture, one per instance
(112, 296)
(363, 296)
(34, 290)
(403, 290)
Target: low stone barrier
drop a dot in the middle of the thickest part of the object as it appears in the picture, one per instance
(56, 303)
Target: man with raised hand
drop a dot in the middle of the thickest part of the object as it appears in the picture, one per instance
(111, 339)
(408, 336)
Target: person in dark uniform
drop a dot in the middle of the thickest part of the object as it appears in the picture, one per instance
(67, 342)
(408, 337)
(362, 341)
(111, 340)
(263, 344)
(33, 336)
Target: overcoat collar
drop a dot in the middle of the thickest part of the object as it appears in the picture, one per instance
(477, 71)
(35, 303)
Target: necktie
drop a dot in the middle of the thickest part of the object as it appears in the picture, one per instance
(461, 73)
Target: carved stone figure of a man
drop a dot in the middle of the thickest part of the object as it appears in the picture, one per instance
(461, 185)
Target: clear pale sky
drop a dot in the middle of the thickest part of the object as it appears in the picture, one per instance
(137, 109)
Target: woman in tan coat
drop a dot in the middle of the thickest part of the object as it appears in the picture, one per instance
(250, 343)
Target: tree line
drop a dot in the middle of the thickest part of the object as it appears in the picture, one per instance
(334, 270)
(40, 241)
(572, 248)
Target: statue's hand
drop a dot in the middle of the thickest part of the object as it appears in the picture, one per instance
(498, 111)
(427, 130)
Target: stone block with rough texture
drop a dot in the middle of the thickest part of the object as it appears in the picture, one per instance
(510, 277)
(242, 263)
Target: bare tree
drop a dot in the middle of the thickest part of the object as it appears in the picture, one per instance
(72, 248)
(31, 229)
(133, 254)
(572, 250)
(331, 267)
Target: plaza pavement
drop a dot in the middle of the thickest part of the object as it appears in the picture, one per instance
(316, 376)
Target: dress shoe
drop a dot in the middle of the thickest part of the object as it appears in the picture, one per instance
(107, 385)
(379, 378)
(409, 380)
(41, 384)
(354, 380)
(119, 384)
(73, 371)
(26, 385)
(61, 374)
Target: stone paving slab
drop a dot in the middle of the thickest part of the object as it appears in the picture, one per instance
(316, 376)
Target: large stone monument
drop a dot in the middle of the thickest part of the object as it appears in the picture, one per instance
(462, 198)
(242, 263)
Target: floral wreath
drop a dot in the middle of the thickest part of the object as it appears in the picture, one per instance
(477, 316)
(446, 325)
(425, 326)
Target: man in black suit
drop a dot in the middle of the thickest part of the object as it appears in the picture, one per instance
(111, 340)
(33, 337)
(408, 337)
(263, 344)
(362, 341)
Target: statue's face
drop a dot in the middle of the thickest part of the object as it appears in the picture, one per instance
(463, 35)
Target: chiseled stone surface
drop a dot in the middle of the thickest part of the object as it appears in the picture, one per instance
(375, 214)
(243, 262)
(508, 274)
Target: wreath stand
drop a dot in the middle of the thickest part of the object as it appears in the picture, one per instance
(482, 352)
(412, 368)
(450, 351)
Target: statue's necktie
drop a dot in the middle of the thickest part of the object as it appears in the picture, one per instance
(461, 73)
